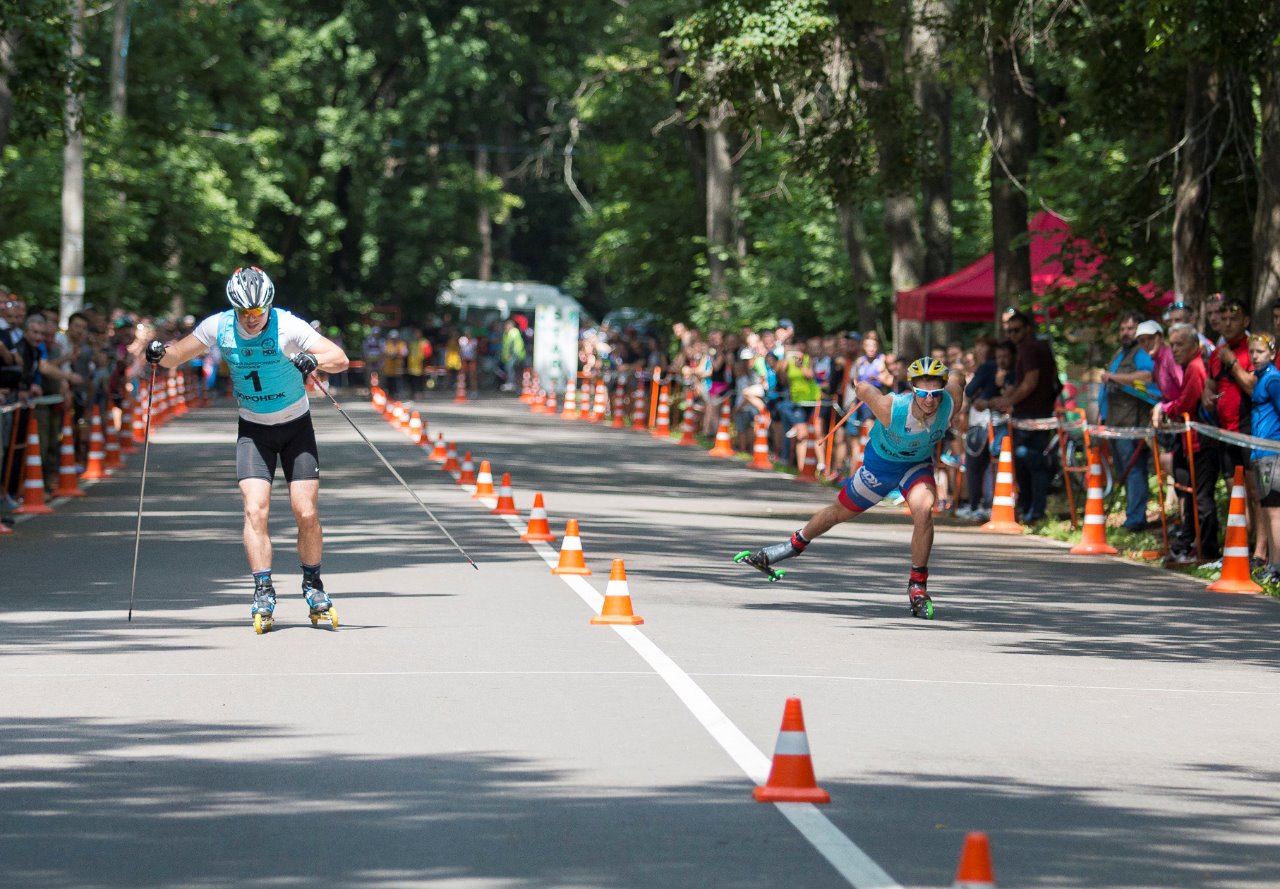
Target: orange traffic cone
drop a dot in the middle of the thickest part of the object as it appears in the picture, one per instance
(549, 406)
(1002, 503)
(128, 410)
(1093, 540)
(68, 481)
(760, 448)
(538, 529)
(791, 778)
(389, 410)
(139, 430)
(571, 560)
(639, 409)
(809, 470)
(1235, 549)
(526, 387)
(484, 481)
(113, 446)
(570, 411)
(33, 474)
(96, 468)
(617, 600)
(415, 427)
(506, 503)
(451, 459)
(724, 441)
(615, 419)
(974, 870)
(601, 407)
(403, 419)
(686, 426)
(662, 424)
(376, 399)
(439, 453)
(467, 474)
(460, 390)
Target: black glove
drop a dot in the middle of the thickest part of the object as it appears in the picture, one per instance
(305, 362)
(155, 351)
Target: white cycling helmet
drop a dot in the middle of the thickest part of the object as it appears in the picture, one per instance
(250, 289)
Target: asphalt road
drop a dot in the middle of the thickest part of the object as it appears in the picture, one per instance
(1108, 724)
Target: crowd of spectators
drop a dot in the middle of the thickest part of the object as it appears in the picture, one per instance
(1223, 376)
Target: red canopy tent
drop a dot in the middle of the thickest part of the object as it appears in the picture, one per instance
(970, 293)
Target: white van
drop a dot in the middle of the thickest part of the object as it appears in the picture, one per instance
(479, 302)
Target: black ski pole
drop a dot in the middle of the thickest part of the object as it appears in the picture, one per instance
(142, 488)
(392, 469)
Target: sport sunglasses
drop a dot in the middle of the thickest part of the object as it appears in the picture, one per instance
(928, 393)
(254, 312)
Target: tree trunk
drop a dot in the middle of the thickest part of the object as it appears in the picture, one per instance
(721, 211)
(8, 48)
(484, 224)
(1266, 220)
(1013, 139)
(692, 137)
(1234, 170)
(906, 250)
(1192, 258)
(933, 99)
(72, 267)
(119, 57)
(862, 269)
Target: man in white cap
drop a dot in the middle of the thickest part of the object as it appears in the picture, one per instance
(1125, 400)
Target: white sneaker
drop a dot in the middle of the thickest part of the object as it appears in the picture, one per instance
(964, 512)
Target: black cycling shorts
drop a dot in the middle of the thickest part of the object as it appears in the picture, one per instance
(293, 444)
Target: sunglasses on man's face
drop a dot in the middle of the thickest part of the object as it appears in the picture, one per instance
(250, 313)
(928, 393)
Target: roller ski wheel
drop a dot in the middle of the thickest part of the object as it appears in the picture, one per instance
(753, 559)
(262, 623)
(331, 615)
(263, 609)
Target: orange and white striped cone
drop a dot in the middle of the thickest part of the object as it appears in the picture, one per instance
(571, 558)
(377, 399)
(460, 389)
(662, 423)
(127, 411)
(617, 600)
(389, 410)
(181, 385)
(439, 453)
(724, 441)
(171, 396)
(484, 481)
(68, 481)
(526, 387)
(538, 528)
(506, 503)
(95, 466)
(809, 470)
(791, 778)
(1235, 548)
(539, 403)
(1002, 503)
(639, 409)
(33, 474)
(403, 420)
(686, 427)
(760, 447)
(1093, 539)
(424, 434)
(467, 474)
(138, 432)
(415, 427)
(451, 463)
(113, 446)
(619, 392)
(974, 870)
(584, 399)
(570, 411)
(601, 406)
(549, 406)
(159, 414)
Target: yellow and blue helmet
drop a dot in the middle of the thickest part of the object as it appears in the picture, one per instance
(927, 367)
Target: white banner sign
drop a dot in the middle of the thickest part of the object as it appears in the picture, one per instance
(555, 346)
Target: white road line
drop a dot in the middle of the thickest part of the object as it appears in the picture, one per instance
(839, 850)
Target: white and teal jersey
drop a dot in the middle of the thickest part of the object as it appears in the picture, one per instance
(906, 438)
(267, 386)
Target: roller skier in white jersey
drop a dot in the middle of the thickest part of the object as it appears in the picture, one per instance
(270, 353)
(908, 427)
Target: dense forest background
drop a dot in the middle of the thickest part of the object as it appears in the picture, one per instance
(727, 161)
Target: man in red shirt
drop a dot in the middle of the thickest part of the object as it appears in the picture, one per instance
(1230, 390)
(1185, 343)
